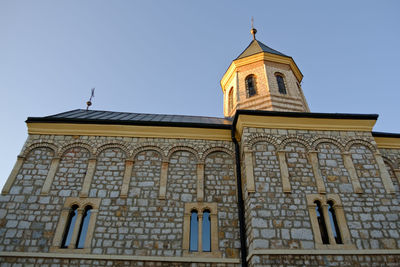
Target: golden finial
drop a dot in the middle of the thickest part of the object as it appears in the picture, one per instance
(89, 103)
(253, 30)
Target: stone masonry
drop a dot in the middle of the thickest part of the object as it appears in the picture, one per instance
(277, 220)
(139, 224)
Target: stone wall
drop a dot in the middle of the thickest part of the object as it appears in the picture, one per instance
(278, 220)
(19, 262)
(138, 224)
(326, 260)
(68, 180)
(391, 158)
(144, 224)
(334, 173)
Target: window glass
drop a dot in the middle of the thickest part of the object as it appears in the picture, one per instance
(206, 229)
(194, 231)
(321, 223)
(73, 213)
(334, 224)
(281, 84)
(84, 227)
(250, 86)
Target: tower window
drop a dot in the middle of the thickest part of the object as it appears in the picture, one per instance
(281, 84)
(230, 100)
(250, 86)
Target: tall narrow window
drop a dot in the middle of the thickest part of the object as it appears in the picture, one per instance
(69, 228)
(334, 224)
(328, 209)
(84, 227)
(194, 231)
(206, 227)
(321, 223)
(281, 84)
(250, 86)
(230, 100)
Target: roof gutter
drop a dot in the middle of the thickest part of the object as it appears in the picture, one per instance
(241, 209)
(314, 115)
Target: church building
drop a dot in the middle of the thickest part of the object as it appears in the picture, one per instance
(268, 184)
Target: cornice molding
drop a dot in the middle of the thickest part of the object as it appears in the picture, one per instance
(129, 131)
(262, 56)
(70, 255)
(321, 124)
(387, 142)
(322, 252)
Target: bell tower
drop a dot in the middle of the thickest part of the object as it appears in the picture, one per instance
(261, 78)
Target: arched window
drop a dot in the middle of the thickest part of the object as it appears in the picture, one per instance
(281, 84)
(321, 223)
(328, 209)
(194, 231)
(334, 224)
(198, 225)
(69, 228)
(230, 100)
(206, 231)
(251, 85)
(83, 227)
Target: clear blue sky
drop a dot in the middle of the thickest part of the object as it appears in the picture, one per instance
(169, 56)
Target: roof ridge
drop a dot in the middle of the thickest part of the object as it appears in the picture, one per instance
(256, 47)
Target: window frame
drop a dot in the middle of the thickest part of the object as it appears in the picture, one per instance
(201, 207)
(340, 219)
(69, 225)
(230, 100)
(254, 91)
(285, 92)
(82, 204)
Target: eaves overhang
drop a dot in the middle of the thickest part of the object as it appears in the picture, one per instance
(387, 140)
(262, 56)
(226, 125)
(154, 129)
(302, 121)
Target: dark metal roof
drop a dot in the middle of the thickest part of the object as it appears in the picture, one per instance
(256, 47)
(127, 118)
(382, 134)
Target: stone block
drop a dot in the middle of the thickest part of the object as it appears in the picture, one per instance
(302, 234)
